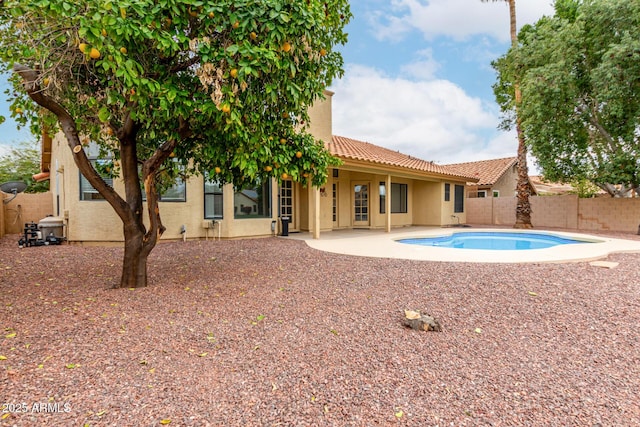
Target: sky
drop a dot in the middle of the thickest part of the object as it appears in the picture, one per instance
(417, 78)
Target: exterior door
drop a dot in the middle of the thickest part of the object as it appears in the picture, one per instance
(287, 202)
(361, 205)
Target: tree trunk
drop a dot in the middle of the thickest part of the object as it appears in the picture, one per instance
(134, 264)
(523, 189)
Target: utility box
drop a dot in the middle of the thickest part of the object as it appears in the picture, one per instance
(52, 226)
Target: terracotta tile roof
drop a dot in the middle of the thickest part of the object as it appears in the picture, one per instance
(347, 148)
(488, 172)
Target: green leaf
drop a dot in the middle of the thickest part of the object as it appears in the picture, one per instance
(104, 115)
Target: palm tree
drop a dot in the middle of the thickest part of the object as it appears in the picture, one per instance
(523, 189)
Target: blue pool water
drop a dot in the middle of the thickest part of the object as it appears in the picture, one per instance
(493, 241)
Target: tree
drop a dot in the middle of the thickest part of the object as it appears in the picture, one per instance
(523, 188)
(580, 75)
(20, 164)
(168, 87)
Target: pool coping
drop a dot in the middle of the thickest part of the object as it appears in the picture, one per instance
(380, 244)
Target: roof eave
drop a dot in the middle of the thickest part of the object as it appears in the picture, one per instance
(383, 168)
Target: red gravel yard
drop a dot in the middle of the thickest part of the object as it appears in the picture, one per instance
(269, 332)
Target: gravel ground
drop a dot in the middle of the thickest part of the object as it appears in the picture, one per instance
(268, 332)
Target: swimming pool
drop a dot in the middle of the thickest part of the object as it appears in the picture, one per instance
(487, 240)
(382, 244)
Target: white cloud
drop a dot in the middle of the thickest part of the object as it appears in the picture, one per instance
(458, 19)
(424, 67)
(430, 119)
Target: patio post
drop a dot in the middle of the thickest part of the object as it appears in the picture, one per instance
(315, 195)
(387, 203)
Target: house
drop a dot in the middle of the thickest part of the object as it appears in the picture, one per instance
(495, 178)
(374, 188)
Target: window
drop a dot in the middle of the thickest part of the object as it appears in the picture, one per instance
(212, 199)
(458, 206)
(176, 193)
(496, 193)
(447, 192)
(482, 193)
(398, 198)
(87, 192)
(334, 197)
(286, 198)
(253, 202)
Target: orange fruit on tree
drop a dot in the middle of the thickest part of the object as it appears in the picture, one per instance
(123, 50)
(268, 168)
(83, 47)
(46, 81)
(226, 108)
(286, 47)
(18, 110)
(217, 169)
(284, 175)
(299, 154)
(323, 52)
(253, 35)
(211, 15)
(236, 24)
(94, 53)
(234, 73)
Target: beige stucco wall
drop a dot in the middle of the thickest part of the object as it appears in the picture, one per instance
(569, 211)
(320, 118)
(506, 185)
(25, 208)
(431, 208)
(427, 205)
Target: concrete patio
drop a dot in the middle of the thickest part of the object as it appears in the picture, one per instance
(380, 244)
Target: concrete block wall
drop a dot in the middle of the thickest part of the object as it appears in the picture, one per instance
(609, 214)
(570, 212)
(556, 211)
